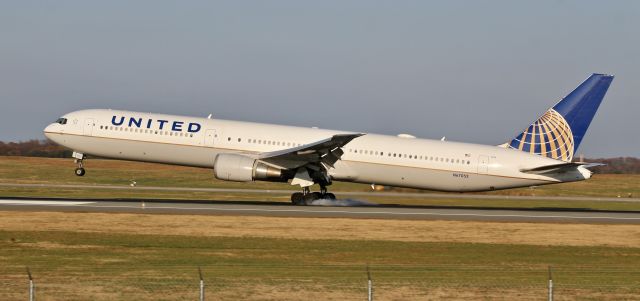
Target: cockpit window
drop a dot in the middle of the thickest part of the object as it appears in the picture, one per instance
(62, 121)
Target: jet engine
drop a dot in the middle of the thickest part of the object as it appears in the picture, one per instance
(239, 168)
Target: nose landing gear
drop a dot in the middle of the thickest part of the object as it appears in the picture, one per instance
(79, 163)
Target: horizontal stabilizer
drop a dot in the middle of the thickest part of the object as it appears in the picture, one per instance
(555, 168)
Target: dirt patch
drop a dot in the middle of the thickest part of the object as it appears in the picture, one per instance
(326, 228)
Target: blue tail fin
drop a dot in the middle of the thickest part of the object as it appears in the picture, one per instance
(558, 133)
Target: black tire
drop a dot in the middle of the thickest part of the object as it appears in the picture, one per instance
(330, 196)
(297, 198)
(80, 172)
(310, 197)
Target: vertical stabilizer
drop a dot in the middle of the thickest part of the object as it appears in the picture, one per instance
(558, 133)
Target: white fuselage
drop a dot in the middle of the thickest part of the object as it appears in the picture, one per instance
(371, 159)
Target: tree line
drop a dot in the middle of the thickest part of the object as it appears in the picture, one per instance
(620, 165)
(46, 148)
(34, 148)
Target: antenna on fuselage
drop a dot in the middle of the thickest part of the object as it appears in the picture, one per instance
(209, 117)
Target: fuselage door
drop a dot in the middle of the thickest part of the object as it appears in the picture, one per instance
(88, 127)
(483, 164)
(209, 137)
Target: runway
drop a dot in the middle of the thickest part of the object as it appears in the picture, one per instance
(324, 209)
(340, 193)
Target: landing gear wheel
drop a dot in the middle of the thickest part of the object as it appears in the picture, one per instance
(310, 197)
(297, 198)
(80, 172)
(79, 164)
(306, 197)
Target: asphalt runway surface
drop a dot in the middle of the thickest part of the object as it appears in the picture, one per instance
(322, 208)
(339, 193)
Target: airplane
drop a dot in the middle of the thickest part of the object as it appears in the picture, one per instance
(245, 152)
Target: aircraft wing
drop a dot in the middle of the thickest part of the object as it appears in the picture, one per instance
(327, 151)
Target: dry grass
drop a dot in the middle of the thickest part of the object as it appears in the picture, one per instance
(124, 256)
(327, 228)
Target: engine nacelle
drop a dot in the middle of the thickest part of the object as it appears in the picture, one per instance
(239, 168)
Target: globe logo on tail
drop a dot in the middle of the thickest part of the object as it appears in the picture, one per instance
(549, 136)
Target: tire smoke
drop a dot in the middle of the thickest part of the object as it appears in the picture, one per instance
(342, 203)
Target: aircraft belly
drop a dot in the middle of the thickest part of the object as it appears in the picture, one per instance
(431, 179)
(140, 150)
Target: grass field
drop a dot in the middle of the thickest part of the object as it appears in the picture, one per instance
(94, 256)
(111, 172)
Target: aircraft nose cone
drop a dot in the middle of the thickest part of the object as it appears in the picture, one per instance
(49, 129)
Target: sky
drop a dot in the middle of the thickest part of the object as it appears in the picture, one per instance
(473, 71)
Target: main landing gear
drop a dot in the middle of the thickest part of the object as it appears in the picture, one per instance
(306, 197)
(79, 163)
